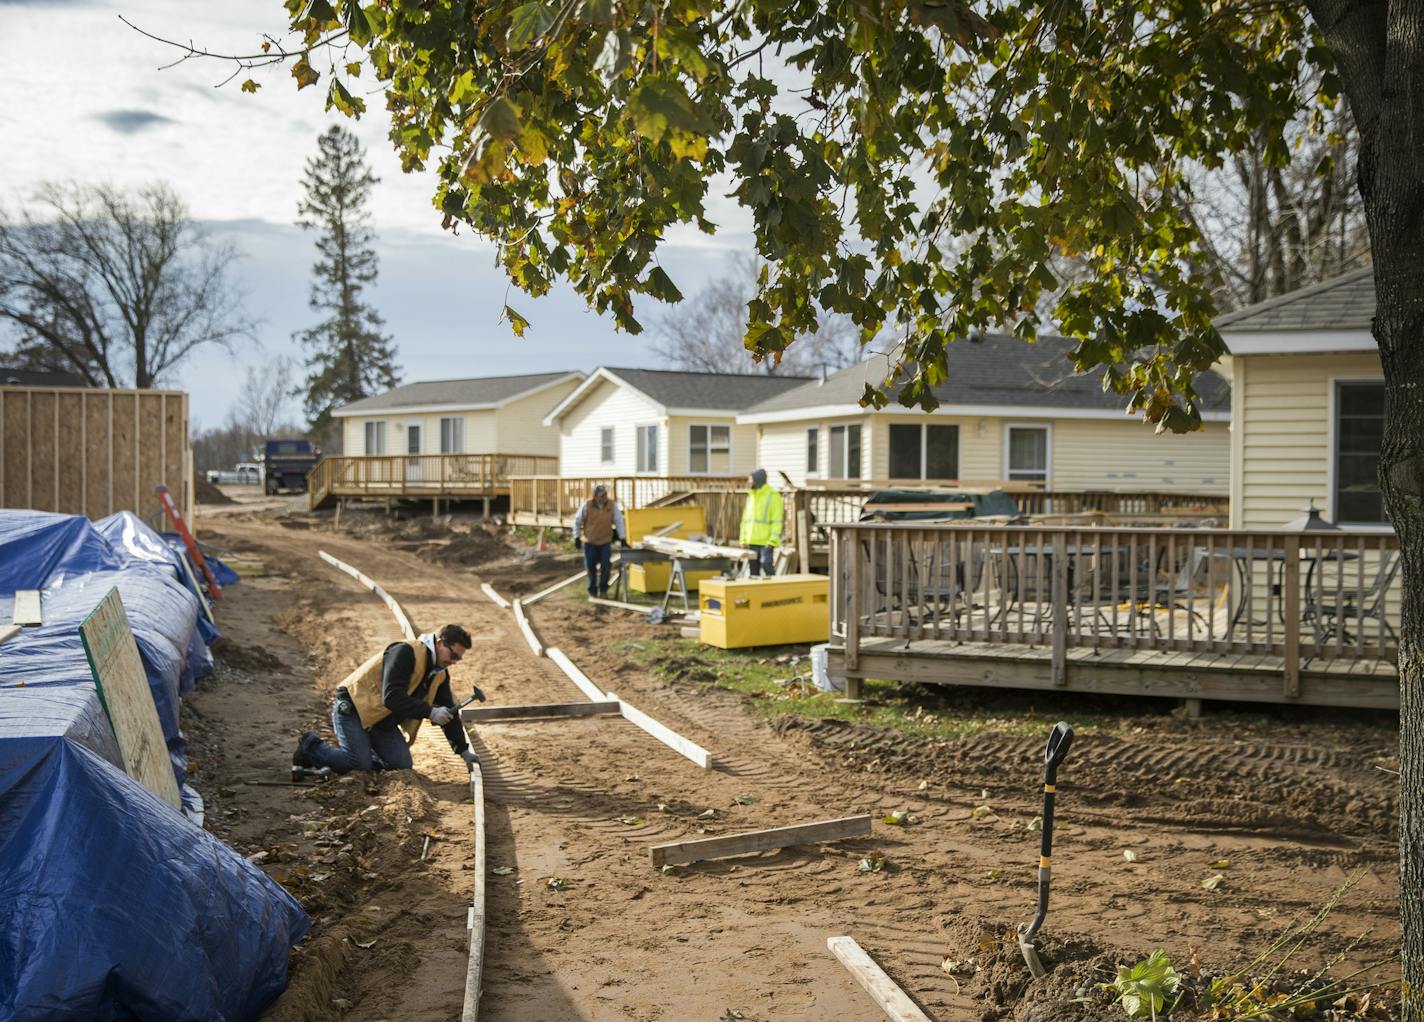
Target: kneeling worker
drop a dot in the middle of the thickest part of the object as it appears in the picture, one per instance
(405, 684)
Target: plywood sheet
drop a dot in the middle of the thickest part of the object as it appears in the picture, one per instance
(44, 443)
(124, 440)
(69, 478)
(16, 446)
(95, 481)
(27, 608)
(123, 689)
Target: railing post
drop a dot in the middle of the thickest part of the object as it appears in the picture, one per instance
(1060, 608)
(1290, 582)
(852, 612)
(803, 529)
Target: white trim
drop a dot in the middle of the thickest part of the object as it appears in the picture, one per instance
(1332, 426)
(709, 426)
(599, 375)
(845, 427)
(612, 458)
(809, 472)
(818, 412)
(1047, 428)
(705, 413)
(1297, 342)
(349, 413)
(366, 437)
(1237, 488)
(460, 430)
(638, 429)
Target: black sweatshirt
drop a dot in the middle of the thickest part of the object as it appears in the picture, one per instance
(396, 669)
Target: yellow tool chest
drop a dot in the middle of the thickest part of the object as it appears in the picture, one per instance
(644, 521)
(765, 611)
(653, 576)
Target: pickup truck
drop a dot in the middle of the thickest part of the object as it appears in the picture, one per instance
(247, 473)
(285, 464)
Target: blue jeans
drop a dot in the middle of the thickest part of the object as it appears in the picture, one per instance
(762, 563)
(598, 560)
(381, 748)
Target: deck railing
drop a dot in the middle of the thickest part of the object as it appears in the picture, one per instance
(557, 498)
(420, 475)
(1300, 596)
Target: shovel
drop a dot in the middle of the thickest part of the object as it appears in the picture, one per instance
(1058, 742)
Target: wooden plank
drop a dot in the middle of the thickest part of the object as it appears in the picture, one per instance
(27, 608)
(620, 605)
(676, 852)
(554, 588)
(478, 714)
(666, 735)
(8, 632)
(585, 684)
(187, 566)
(408, 630)
(1290, 585)
(489, 591)
(524, 626)
(128, 701)
(882, 989)
(474, 969)
(943, 506)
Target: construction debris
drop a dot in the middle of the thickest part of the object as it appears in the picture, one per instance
(676, 853)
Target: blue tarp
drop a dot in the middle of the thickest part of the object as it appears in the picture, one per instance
(113, 905)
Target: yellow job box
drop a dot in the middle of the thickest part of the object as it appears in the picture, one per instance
(644, 521)
(654, 576)
(772, 611)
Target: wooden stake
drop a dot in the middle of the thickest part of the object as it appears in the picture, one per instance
(676, 852)
(476, 714)
(586, 686)
(892, 1000)
(488, 590)
(666, 735)
(553, 588)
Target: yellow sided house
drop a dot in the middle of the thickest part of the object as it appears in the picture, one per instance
(1010, 412)
(1307, 406)
(444, 438)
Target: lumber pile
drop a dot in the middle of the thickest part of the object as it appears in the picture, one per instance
(691, 548)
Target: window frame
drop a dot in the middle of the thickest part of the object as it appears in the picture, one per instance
(1333, 453)
(457, 434)
(1046, 428)
(710, 448)
(813, 450)
(924, 467)
(418, 430)
(844, 450)
(379, 432)
(647, 463)
(607, 451)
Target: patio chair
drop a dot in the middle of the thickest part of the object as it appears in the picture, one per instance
(1331, 609)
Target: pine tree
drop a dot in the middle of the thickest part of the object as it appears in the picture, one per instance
(348, 355)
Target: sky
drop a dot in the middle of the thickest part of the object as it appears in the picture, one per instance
(85, 101)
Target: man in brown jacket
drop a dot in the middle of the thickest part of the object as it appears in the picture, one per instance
(595, 525)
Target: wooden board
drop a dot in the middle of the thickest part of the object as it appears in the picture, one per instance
(8, 632)
(476, 714)
(620, 605)
(528, 629)
(187, 566)
(489, 591)
(676, 852)
(666, 735)
(871, 509)
(553, 588)
(123, 689)
(27, 608)
(585, 684)
(892, 1000)
(408, 631)
(474, 967)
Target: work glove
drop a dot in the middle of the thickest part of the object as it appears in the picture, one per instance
(441, 715)
(623, 543)
(470, 758)
(578, 543)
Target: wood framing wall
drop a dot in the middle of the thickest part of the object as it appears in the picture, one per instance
(93, 452)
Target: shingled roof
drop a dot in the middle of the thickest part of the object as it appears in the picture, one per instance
(680, 391)
(1346, 302)
(998, 372)
(476, 393)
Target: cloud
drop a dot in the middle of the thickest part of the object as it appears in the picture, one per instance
(130, 122)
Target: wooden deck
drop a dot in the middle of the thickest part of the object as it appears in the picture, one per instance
(419, 476)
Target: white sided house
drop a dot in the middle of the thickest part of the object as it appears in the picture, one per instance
(1009, 412)
(660, 423)
(1307, 406)
(486, 415)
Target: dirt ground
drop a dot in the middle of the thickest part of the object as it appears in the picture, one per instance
(1296, 809)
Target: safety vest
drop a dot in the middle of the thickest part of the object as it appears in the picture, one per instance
(762, 517)
(363, 685)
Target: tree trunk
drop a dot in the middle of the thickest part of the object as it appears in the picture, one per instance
(1399, 328)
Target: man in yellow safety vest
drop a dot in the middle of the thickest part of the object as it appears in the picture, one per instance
(761, 522)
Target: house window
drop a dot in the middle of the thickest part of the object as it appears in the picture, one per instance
(605, 445)
(647, 448)
(376, 437)
(452, 435)
(709, 450)
(1359, 431)
(923, 451)
(813, 450)
(845, 452)
(1026, 453)
(412, 440)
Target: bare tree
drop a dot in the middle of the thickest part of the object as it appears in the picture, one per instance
(117, 287)
(706, 333)
(266, 396)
